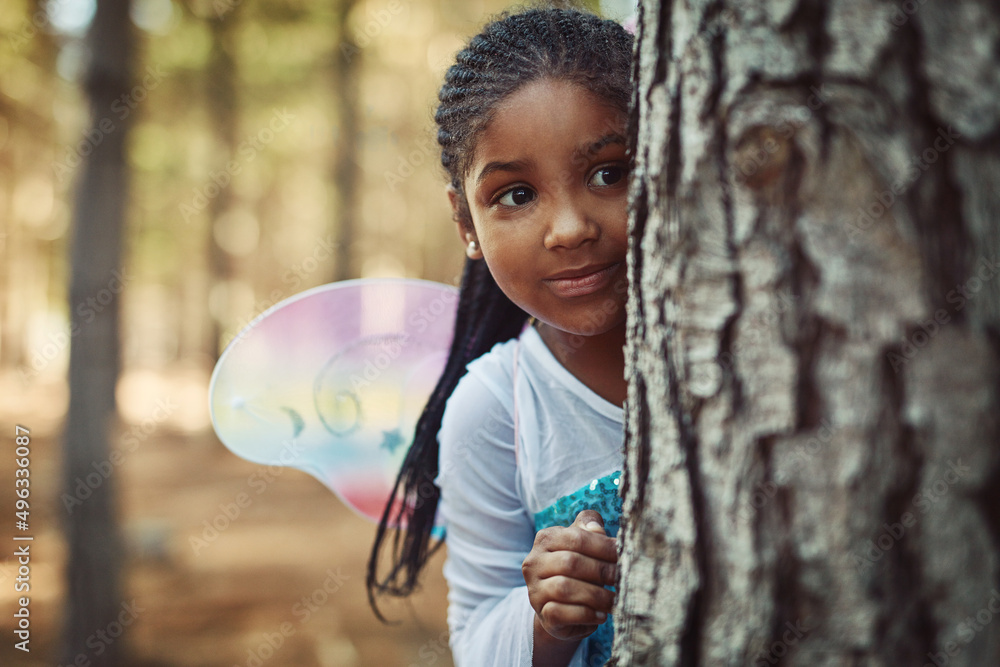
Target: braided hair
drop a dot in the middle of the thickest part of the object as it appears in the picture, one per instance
(511, 51)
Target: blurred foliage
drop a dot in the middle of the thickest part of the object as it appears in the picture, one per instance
(279, 205)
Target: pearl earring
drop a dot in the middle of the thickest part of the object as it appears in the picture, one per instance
(473, 246)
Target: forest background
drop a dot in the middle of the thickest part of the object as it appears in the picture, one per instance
(273, 146)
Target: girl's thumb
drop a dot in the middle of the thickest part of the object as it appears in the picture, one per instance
(592, 521)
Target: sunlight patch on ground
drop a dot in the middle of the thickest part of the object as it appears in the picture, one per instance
(176, 398)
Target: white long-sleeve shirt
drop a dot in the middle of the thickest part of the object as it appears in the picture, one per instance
(568, 436)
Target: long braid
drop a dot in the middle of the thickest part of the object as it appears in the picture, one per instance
(511, 51)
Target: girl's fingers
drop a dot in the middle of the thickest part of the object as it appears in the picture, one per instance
(577, 540)
(566, 590)
(577, 566)
(569, 621)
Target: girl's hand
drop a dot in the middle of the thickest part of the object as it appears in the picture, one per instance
(566, 571)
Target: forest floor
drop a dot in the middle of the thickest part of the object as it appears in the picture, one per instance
(281, 585)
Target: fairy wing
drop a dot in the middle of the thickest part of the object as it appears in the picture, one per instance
(332, 381)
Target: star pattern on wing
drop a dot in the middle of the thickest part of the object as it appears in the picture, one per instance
(392, 440)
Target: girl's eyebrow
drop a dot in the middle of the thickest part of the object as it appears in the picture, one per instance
(583, 149)
(594, 147)
(514, 165)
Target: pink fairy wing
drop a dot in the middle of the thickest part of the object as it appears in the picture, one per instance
(332, 381)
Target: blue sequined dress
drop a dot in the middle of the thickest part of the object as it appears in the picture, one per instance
(602, 495)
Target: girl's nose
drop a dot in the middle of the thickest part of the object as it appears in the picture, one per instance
(570, 226)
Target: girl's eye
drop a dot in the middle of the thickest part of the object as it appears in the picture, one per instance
(516, 197)
(607, 176)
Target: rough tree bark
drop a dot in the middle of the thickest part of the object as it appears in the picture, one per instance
(813, 474)
(94, 558)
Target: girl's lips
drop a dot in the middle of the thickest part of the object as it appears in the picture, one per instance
(584, 284)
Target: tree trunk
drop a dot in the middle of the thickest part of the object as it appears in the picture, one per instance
(222, 102)
(812, 428)
(346, 72)
(94, 601)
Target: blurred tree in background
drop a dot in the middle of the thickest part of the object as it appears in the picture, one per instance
(93, 566)
(276, 146)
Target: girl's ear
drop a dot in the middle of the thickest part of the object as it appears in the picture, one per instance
(466, 231)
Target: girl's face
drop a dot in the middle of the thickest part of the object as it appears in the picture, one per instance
(548, 196)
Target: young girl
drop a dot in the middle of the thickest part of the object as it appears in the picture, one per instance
(521, 440)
